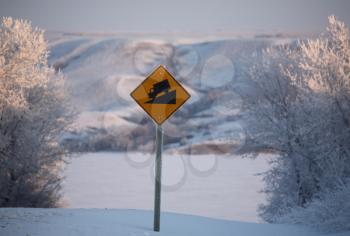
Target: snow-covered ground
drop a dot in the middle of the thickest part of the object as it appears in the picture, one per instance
(107, 222)
(204, 195)
(225, 187)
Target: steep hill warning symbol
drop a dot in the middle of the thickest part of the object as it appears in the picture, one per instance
(160, 95)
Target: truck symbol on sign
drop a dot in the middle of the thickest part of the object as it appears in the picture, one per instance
(160, 94)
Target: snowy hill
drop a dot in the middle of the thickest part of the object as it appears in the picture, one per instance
(94, 222)
(102, 70)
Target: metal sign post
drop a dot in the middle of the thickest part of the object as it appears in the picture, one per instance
(160, 95)
(158, 179)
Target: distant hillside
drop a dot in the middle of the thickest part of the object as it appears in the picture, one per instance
(102, 70)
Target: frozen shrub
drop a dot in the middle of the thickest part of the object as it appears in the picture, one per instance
(33, 114)
(301, 110)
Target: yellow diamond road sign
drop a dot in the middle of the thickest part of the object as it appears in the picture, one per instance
(160, 95)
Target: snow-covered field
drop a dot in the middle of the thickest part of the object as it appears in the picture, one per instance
(225, 187)
(202, 195)
(107, 222)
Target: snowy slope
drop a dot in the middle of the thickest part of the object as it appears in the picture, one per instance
(102, 70)
(94, 222)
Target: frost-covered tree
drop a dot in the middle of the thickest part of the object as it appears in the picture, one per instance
(33, 114)
(301, 110)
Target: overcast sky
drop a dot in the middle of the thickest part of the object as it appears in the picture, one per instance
(178, 15)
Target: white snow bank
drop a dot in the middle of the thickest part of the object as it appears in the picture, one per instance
(99, 222)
